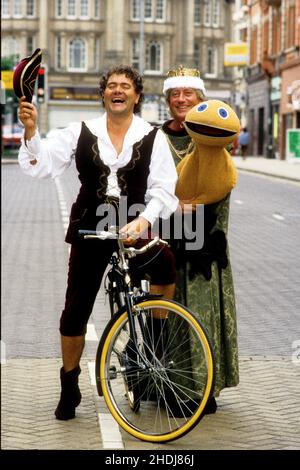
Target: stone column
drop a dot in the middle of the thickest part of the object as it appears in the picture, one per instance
(114, 44)
(186, 52)
(91, 52)
(43, 40)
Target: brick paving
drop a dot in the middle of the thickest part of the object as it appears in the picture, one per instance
(263, 412)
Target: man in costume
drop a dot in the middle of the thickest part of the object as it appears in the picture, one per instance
(204, 278)
(117, 155)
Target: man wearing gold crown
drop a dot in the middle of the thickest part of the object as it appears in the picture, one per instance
(204, 277)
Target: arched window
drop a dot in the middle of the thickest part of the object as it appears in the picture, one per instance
(77, 54)
(153, 57)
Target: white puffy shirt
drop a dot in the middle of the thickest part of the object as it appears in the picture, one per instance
(54, 156)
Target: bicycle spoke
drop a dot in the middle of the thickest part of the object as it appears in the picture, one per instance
(155, 390)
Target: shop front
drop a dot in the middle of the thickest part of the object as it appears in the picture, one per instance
(289, 105)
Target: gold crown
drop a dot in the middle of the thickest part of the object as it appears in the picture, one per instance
(183, 72)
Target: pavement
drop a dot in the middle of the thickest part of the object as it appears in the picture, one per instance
(283, 169)
(262, 412)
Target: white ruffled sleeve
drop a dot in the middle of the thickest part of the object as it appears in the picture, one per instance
(50, 156)
(160, 195)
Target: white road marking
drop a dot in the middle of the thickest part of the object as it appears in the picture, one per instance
(91, 367)
(238, 201)
(91, 334)
(110, 432)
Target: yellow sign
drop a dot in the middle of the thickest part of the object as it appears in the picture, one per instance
(7, 78)
(236, 54)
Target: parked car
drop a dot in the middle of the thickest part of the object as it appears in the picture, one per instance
(11, 135)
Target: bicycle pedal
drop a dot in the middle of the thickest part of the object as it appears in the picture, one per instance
(113, 372)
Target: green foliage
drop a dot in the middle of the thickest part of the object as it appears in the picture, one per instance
(8, 62)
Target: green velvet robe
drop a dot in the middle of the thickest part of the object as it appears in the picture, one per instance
(212, 301)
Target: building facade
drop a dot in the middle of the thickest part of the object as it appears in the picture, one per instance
(81, 39)
(273, 74)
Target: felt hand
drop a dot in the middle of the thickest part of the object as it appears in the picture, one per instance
(186, 207)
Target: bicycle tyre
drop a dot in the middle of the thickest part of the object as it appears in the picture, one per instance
(166, 380)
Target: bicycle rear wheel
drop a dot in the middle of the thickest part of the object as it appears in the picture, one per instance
(173, 371)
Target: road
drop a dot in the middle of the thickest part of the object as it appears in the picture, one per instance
(264, 245)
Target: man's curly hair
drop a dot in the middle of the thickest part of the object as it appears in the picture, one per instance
(130, 73)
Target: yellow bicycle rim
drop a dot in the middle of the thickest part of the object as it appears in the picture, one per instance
(120, 420)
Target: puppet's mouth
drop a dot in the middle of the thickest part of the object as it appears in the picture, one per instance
(209, 130)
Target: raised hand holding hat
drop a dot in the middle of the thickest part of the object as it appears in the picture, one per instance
(25, 75)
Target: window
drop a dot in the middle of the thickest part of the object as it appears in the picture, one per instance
(153, 57)
(211, 69)
(84, 8)
(5, 8)
(11, 47)
(148, 9)
(29, 45)
(30, 8)
(58, 52)
(197, 11)
(18, 8)
(290, 27)
(160, 9)
(71, 8)
(135, 53)
(275, 32)
(97, 8)
(216, 12)
(77, 54)
(265, 38)
(207, 13)
(163, 114)
(58, 7)
(154, 10)
(135, 9)
(253, 46)
(197, 55)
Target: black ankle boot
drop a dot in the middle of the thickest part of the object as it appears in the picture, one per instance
(70, 396)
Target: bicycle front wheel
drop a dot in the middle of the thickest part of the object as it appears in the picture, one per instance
(170, 376)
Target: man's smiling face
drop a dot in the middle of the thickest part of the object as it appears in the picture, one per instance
(181, 101)
(120, 96)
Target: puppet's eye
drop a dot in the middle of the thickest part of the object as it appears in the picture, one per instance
(202, 107)
(223, 113)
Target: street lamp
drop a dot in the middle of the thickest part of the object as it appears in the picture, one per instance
(142, 37)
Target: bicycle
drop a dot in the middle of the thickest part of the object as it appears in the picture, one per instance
(156, 382)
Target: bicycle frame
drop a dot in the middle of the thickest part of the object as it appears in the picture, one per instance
(121, 262)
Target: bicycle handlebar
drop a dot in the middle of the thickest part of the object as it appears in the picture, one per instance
(101, 235)
(130, 251)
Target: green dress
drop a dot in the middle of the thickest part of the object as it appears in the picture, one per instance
(211, 299)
